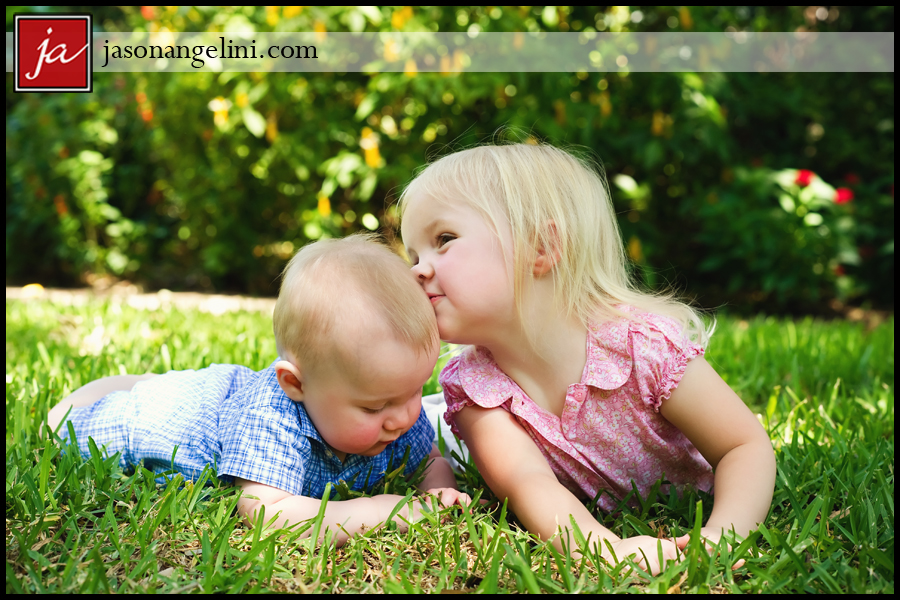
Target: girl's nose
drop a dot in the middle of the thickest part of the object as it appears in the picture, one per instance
(423, 271)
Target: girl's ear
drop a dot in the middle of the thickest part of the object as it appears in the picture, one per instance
(290, 379)
(548, 253)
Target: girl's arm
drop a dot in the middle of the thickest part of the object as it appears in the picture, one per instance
(440, 481)
(344, 518)
(514, 468)
(729, 436)
(439, 473)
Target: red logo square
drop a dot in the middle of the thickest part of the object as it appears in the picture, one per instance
(53, 53)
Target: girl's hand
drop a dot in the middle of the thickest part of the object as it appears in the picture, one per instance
(640, 546)
(449, 496)
(711, 537)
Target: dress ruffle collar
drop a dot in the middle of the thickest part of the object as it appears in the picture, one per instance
(608, 366)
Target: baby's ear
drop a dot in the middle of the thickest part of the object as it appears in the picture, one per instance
(290, 379)
(548, 250)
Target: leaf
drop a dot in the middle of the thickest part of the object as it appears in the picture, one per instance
(372, 13)
(254, 121)
(367, 186)
(626, 183)
(258, 92)
(366, 107)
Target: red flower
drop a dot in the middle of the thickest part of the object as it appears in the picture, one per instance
(851, 178)
(148, 12)
(803, 177)
(843, 195)
(839, 270)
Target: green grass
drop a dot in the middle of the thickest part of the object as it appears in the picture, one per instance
(824, 390)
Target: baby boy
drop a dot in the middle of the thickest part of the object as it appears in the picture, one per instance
(356, 339)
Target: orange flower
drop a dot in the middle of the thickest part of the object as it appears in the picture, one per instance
(271, 127)
(219, 106)
(272, 15)
(59, 202)
(634, 249)
(390, 51)
(320, 29)
(324, 206)
(400, 17)
(369, 143)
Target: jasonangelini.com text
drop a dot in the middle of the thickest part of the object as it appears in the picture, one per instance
(222, 51)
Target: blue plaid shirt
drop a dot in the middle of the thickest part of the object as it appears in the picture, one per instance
(238, 420)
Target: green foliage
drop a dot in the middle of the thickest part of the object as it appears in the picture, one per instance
(211, 181)
(823, 390)
(395, 481)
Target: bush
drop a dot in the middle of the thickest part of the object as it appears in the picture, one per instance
(211, 181)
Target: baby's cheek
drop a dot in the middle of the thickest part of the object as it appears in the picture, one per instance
(364, 431)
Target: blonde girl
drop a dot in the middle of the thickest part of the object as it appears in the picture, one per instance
(574, 382)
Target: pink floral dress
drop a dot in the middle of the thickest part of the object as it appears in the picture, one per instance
(611, 431)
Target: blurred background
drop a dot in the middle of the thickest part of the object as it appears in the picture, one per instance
(754, 192)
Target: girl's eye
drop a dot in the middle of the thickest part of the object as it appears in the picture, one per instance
(373, 411)
(444, 238)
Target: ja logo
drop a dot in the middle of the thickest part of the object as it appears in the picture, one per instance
(53, 53)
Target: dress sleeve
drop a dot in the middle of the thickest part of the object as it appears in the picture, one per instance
(661, 353)
(454, 394)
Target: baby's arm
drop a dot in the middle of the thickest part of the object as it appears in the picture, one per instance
(728, 435)
(342, 517)
(91, 392)
(514, 468)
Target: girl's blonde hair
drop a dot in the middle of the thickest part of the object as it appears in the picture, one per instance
(558, 201)
(333, 288)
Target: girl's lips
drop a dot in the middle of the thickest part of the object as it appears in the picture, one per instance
(434, 298)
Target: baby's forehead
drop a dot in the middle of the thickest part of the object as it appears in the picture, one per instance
(367, 349)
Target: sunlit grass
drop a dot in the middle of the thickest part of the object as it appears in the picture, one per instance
(825, 392)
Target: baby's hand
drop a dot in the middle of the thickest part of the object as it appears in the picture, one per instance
(644, 545)
(411, 511)
(711, 537)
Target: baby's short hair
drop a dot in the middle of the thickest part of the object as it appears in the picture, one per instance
(334, 287)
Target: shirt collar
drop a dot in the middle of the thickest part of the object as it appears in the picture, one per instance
(608, 366)
(306, 425)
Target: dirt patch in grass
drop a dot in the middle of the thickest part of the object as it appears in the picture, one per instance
(131, 295)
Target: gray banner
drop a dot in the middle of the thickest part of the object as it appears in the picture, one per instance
(489, 52)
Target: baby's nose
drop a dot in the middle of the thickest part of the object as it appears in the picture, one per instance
(403, 418)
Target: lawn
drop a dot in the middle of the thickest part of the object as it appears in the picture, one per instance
(823, 390)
